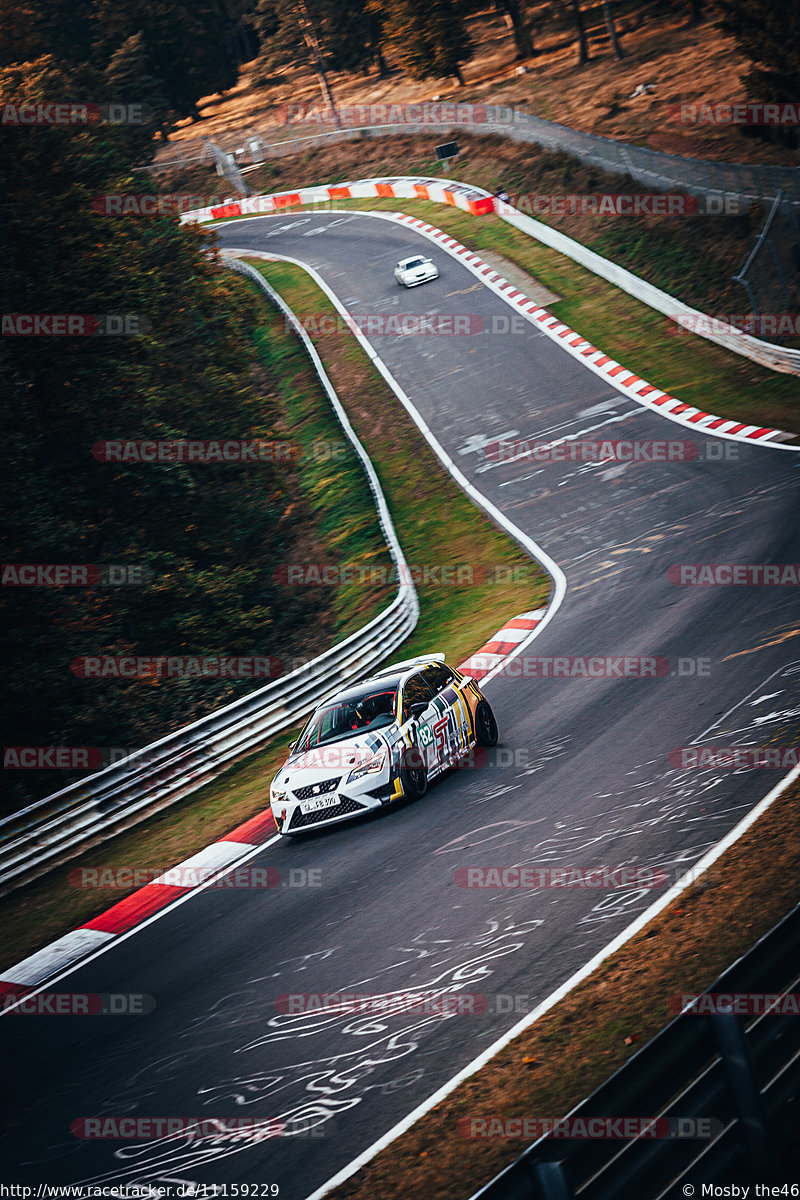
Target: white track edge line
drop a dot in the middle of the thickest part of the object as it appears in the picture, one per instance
(534, 549)
(615, 944)
(115, 939)
(552, 332)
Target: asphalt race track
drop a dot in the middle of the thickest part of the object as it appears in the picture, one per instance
(586, 782)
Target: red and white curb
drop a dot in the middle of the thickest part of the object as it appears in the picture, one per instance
(68, 950)
(441, 191)
(479, 203)
(505, 642)
(202, 868)
(621, 378)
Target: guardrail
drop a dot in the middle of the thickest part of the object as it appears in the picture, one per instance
(59, 826)
(478, 201)
(738, 1073)
(697, 176)
(713, 329)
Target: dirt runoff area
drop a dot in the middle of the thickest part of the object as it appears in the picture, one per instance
(668, 63)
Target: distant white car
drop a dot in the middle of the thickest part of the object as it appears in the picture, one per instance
(411, 272)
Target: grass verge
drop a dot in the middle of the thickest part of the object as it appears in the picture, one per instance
(455, 619)
(418, 491)
(331, 476)
(572, 1049)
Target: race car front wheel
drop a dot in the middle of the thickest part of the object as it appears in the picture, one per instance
(413, 775)
(485, 725)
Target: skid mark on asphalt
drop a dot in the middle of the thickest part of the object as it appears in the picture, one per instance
(776, 639)
(308, 1094)
(476, 287)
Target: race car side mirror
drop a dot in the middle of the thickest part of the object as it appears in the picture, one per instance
(417, 710)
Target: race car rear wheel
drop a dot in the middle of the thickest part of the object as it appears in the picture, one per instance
(485, 725)
(413, 775)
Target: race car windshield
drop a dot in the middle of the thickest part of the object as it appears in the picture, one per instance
(415, 262)
(348, 715)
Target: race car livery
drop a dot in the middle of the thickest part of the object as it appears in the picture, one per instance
(379, 741)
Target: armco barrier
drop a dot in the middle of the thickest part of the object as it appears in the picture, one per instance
(479, 202)
(766, 354)
(737, 1073)
(59, 826)
(697, 176)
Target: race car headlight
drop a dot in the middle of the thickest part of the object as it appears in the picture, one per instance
(370, 767)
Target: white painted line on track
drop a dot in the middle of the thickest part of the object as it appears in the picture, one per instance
(635, 927)
(116, 938)
(536, 551)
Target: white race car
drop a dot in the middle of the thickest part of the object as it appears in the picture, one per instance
(379, 741)
(410, 272)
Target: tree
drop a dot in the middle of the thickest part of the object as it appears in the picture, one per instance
(608, 17)
(321, 35)
(766, 33)
(522, 34)
(34, 28)
(428, 37)
(187, 43)
(210, 534)
(130, 82)
(514, 14)
(583, 45)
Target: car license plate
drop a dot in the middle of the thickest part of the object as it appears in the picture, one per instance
(315, 803)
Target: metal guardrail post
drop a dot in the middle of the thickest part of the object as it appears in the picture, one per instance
(228, 167)
(552, 1181)
(730, 1040)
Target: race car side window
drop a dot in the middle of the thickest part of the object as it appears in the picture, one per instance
(415, 691)
(438, 677)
